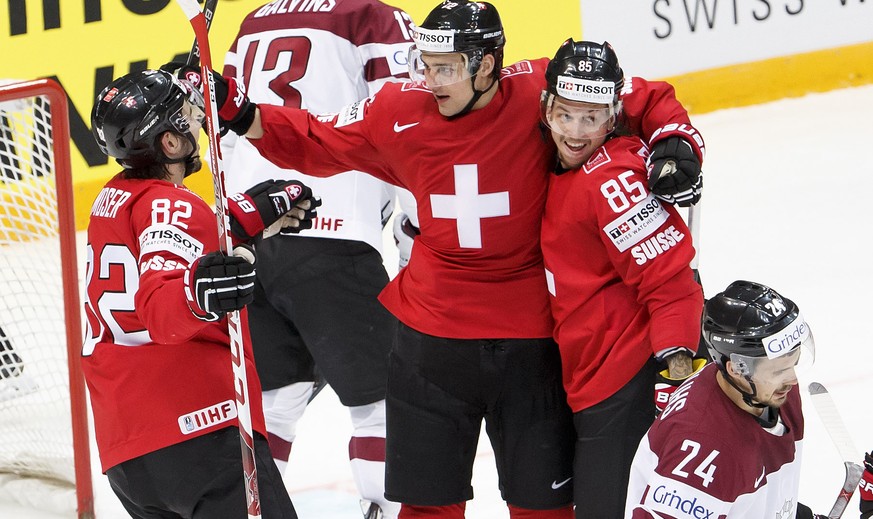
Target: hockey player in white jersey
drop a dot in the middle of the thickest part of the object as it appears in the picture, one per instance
(728, 443)
(322, 318)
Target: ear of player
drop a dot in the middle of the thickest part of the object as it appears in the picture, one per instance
(272, 206)
(235, 111)
(674, 172)
(866, 487)
(217, 283)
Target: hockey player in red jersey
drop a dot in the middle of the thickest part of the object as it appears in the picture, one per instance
(475, 340)
(728, 444)
(617, 265)
(156, 356)
(338, 54)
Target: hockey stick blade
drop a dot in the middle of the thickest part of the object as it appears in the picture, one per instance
(833, 423)
(235, 318)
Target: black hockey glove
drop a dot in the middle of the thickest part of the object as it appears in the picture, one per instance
(235, 111)
(674, 172)
(866, 487)
(271, 206)
(404, 237)
(216, 283)
(666, 383)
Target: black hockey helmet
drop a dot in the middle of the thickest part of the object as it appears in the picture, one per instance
(471, 28)
(752, 320)
(585, 71)
(134, 110)
(753, 326)
(582, 72)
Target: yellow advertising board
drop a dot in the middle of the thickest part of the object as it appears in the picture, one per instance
(85, 44)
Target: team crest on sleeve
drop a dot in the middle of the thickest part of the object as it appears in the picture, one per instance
(636, 224)
(598, 159)
(169, 238)
(522, 67)
(351, 113)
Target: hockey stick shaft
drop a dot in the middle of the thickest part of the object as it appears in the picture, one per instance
(234, 319)
(208, 13)
(836, 429)
(694, 227)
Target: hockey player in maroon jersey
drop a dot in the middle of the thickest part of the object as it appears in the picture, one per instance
(866, 487)
(617, 265)
(329, 57)
(156, 356)
(475, 340)
(729, 442)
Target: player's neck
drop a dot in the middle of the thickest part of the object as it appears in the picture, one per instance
(735, 396)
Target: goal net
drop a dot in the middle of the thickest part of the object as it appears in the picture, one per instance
(44, 452)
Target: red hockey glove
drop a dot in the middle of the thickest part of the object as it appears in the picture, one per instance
(271, 206)
(235, 111)
(866, 487)
(674, 172)
(665, 385)
(216, 283)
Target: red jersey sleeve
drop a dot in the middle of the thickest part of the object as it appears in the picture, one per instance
(652, 111)
(656, 260)
(321, 146)
(174, 227)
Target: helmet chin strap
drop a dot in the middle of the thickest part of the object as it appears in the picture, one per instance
(191, 161)
(747, 397)
(477, 94)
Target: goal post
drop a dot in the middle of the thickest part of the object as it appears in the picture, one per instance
(43, 411)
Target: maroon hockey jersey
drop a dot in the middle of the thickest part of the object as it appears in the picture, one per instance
(157, 375)
(706, 457)
(479, 181)
(617, 268)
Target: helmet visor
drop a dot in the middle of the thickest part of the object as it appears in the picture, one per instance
(577, 120)
(438, 69)
(789, 351)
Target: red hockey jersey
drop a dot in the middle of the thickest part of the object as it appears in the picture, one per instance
(479, 181)
(706, 457)
(157, 375)
(616, 263)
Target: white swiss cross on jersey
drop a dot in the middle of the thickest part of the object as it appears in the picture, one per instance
(468, 206)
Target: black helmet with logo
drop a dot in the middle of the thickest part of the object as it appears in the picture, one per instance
(134, 110)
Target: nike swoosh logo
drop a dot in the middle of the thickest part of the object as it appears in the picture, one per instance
(759, 479)
(556, 485)
(399, 128)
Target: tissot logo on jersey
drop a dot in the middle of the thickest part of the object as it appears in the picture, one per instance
(656, 245)
(637, 224)
(351, 113)
(207, 417)
(167, 238)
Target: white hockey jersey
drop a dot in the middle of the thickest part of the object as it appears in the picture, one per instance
(321, 59)
(705, 457)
